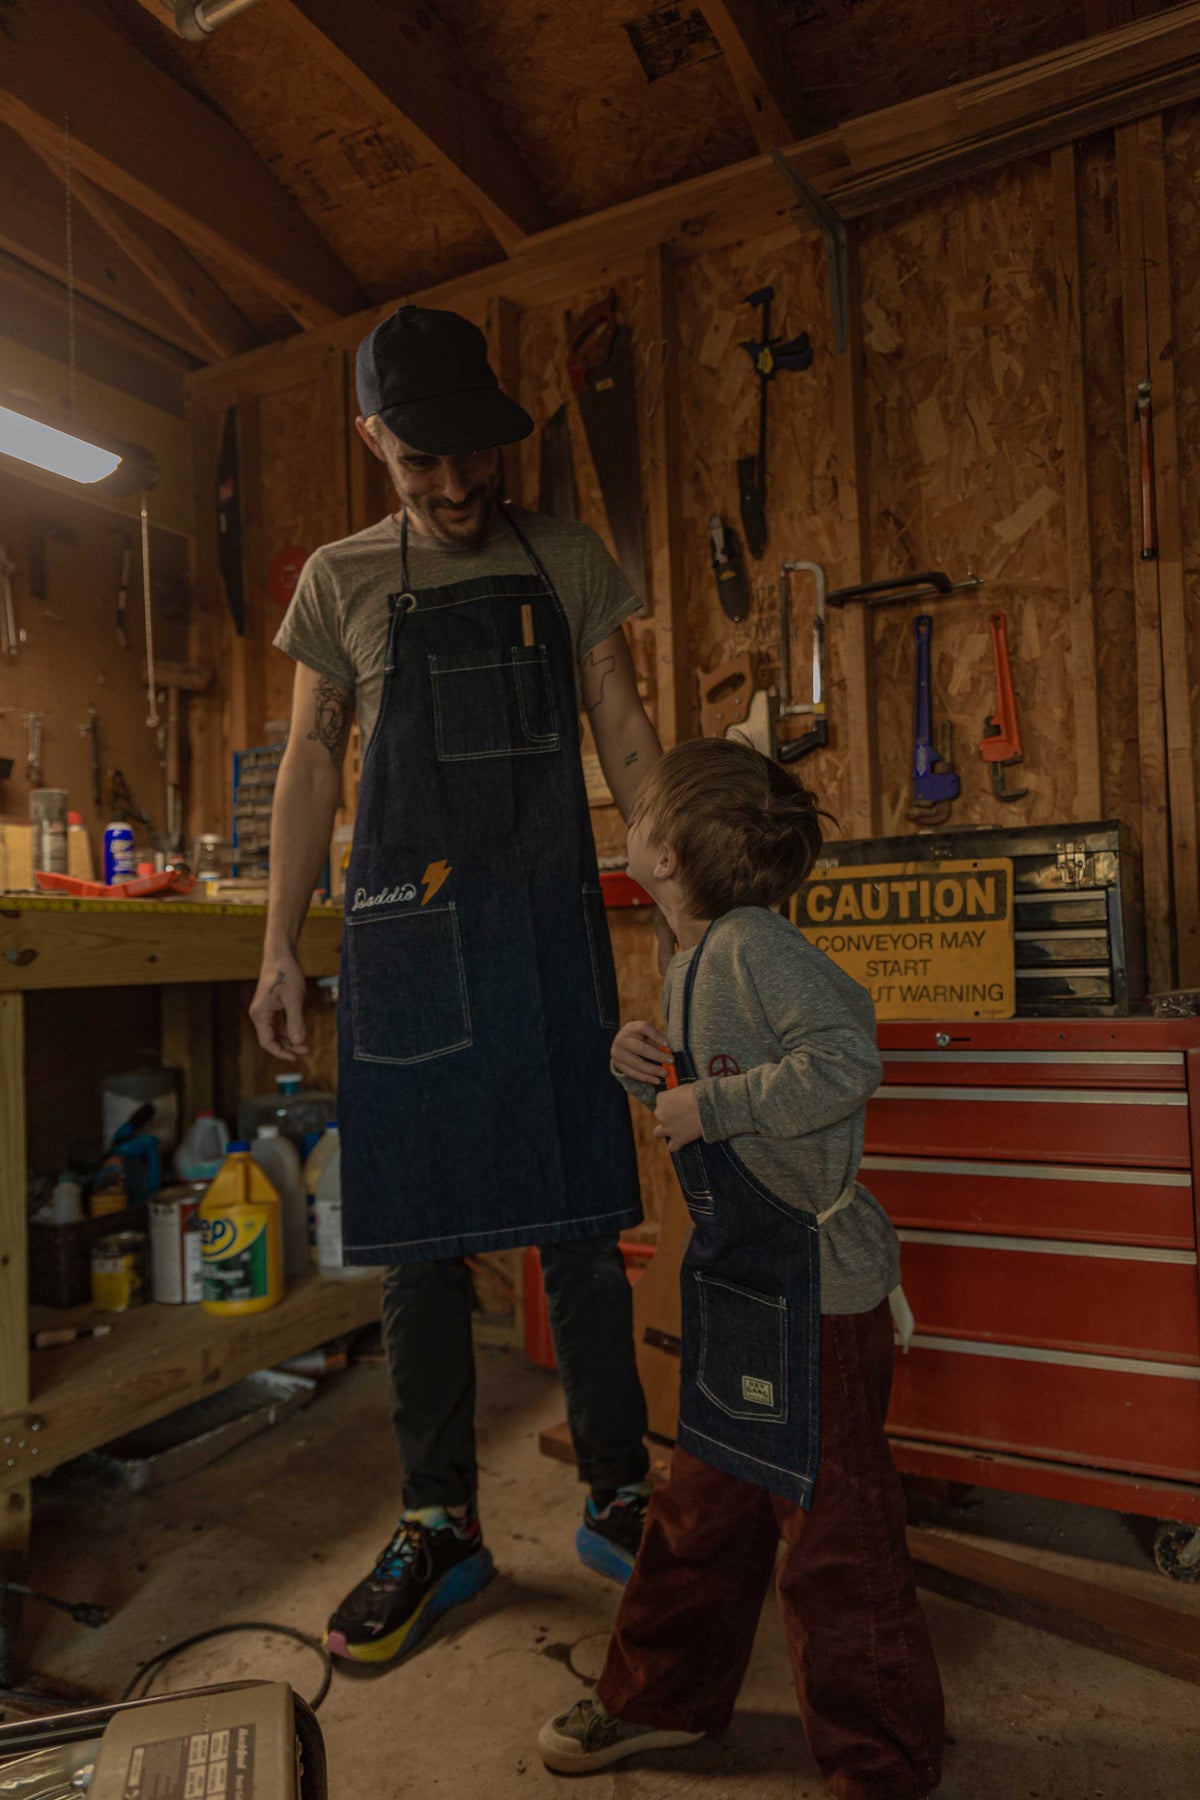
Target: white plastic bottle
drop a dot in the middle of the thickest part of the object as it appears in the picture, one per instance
(202, 1151)
(325, 1147)
(330, 1258)
(280, 1163)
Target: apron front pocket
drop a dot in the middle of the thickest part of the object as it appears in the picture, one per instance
(493, 705)
(693, 1179)
(604, 975)
(743, 1366)
(408, 986)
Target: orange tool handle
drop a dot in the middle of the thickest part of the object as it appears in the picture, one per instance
(1002, 744)
(1149, 533)
(671, 1074)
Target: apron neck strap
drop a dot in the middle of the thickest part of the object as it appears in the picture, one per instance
(688, 986)
(520, 536)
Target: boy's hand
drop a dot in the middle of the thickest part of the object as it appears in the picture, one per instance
(678, 1115)
(639, 1050)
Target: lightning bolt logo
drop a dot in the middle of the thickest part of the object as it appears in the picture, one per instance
(435, 878)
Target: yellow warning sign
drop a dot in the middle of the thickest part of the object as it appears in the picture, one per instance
(927, 941)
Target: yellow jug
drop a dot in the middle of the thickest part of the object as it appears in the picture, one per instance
(241, 1238)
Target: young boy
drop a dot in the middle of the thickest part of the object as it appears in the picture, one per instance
(787, 1332)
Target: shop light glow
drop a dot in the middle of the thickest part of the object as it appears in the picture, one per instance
(56, 451)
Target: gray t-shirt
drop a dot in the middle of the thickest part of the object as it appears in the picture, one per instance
(337, 621)
(784, 1047)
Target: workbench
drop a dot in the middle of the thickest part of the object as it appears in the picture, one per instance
(157, 1358)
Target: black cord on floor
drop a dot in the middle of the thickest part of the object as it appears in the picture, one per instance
(146, 1671)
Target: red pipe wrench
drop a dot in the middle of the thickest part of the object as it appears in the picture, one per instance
(1001, 745)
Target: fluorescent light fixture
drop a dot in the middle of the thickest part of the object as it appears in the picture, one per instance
(58, 452)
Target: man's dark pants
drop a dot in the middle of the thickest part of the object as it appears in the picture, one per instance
(431, 1361)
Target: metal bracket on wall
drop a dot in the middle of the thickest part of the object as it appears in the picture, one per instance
(832, 227)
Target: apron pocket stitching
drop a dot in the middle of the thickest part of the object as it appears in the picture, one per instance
(543, 739)
(365, 1027)
(700, 1197)
(536, 744)
(607, 1023)
(775, 1414)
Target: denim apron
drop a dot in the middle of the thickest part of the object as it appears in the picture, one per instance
(478, 997)
(749, 1400)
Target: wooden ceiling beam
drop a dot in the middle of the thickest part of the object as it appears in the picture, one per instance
(33, 230)
(753, 48)
(139, 135)
(213, 320)
(907, 150)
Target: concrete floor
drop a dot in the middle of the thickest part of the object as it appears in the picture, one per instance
(280, 1528)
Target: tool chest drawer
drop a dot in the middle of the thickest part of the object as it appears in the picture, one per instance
(1156, 1070)
(1127, 1413)
(1153, 1207)
(1111, 1299)
(1126, 1128)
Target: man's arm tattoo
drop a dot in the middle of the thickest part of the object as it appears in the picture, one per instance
(600, 668)
(332, 725)
(631, 759)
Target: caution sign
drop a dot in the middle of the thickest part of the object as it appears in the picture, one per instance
(927, 941)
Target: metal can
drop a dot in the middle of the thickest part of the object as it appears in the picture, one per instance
(176, 1269)
(48, 819)
(120, 1271)
(120, 863)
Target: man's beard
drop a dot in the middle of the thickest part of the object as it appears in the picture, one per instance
(469, 529)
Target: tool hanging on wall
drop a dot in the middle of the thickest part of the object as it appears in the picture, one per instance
(10, 637)
(725, 694)
(832, 227)
(229, 523)
(817, 736)
(176, 679)
(123, 587)
(556, 468)
(43, 532)
(933, 788)
(33, 755)
(122, 804)
(91, 732)
(729, 570)
(933, 584)
(1145, 419)
(1001, 743)
(769, 356)
(600, 365)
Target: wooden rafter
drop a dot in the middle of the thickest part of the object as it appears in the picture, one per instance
(752, 47)
(212, 319)
(405, 64)
(141, 136)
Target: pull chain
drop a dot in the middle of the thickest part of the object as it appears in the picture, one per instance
(70, 225)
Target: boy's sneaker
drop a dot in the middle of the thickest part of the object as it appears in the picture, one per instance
(589, 1738)
(432, 1563)
(609, 1538)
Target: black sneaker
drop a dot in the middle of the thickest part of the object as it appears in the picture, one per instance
(610, 1536)
(431, 1564)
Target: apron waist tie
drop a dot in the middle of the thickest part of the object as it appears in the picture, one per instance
(844, 1198)
(902, 1312)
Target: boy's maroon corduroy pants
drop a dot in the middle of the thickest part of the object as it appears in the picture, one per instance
(868, 1685)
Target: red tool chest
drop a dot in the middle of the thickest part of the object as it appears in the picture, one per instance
(1042, 1174)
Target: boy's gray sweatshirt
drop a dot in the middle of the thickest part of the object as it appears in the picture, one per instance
(784, 1047)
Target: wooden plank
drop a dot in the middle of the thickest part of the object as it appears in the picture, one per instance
(159, 1358)
(405, 64)
(1138, 1631)
(213, 320)
(674, 685)
(751, 45)
(1172, 600)
(730, 205)
(75, 944)
(33, 229)
(857, 731)
(1089, 802)
(508, 337)
(140, 135)
(1152, 749)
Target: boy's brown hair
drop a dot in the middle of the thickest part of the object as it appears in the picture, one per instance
(746, 830)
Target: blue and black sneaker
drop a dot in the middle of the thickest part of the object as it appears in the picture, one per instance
(432, 1562)
(611, 1533)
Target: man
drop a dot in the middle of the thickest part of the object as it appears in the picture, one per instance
(478, 997)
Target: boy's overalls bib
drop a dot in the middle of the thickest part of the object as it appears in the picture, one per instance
(749, 1399)
(478, 998)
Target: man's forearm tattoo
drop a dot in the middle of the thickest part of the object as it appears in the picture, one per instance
(631, 759)
(599, 669)
(332, 725)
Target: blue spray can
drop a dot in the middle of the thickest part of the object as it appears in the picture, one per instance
(120, 863)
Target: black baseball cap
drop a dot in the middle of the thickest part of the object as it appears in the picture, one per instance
(427, 376)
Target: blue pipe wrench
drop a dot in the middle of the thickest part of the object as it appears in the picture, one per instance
(931, 787)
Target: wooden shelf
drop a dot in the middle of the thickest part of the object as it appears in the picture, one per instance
(131, 943)
(159, 1358)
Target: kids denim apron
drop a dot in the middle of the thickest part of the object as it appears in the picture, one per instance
(750, 1384)
(478, 997)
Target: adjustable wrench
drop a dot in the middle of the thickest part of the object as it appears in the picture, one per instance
(933, 790)
(1001, 744)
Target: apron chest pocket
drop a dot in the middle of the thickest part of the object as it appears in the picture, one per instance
(743, 1365)
(493, 705)
(408, 987)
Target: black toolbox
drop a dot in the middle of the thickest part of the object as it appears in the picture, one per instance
(1077, 905)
